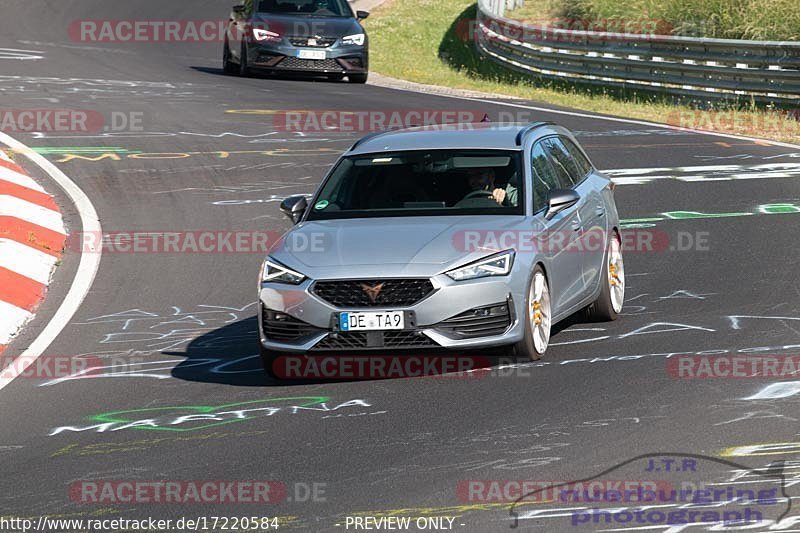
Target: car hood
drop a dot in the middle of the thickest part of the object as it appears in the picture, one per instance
(402, 246)
(301, 26)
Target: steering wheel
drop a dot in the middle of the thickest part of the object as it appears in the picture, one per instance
(478, 194)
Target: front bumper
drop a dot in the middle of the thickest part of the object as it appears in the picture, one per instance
(283, 57)
(467, 314)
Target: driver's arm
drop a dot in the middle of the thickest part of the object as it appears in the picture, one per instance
(499, 195)
(507, 196)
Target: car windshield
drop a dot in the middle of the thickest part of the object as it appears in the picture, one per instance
(423, 182)
(317, 8)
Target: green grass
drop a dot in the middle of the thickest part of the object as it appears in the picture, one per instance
(423, 41)
(776, 20)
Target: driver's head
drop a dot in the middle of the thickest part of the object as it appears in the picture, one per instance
(480, 179)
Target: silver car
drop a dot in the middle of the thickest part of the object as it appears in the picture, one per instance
(455, 237)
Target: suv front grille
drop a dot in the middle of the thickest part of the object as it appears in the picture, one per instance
(321, 42)
(281, 327)
(360, 340)
(479, 322)
(373, 293)
(295, 63)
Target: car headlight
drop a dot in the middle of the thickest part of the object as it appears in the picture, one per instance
(495, 265)
(357, 39)
(277, 273)
(265, 35)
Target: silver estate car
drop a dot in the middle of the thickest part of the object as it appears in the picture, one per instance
(449, 237)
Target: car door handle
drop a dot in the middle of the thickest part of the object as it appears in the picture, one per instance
(576, 225)
(600, 210)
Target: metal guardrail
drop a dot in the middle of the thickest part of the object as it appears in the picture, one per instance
(764, 71)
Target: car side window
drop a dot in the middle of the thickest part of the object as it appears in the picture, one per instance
(543, 175)
(584, 165)
(566, 167)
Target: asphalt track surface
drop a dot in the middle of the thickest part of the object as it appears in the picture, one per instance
(407, 443)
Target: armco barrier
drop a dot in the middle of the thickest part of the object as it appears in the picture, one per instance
(764, 71)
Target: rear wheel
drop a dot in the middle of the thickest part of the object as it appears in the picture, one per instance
(538, 318)
(612, 295)
(227, 65)
(357, 78)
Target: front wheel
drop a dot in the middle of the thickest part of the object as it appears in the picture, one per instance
(538, 318)
(612, 295)
(244, 69)
(357, 78)
(228, 66)
(268, 359)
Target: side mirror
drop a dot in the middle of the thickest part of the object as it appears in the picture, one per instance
(239, 9)
(294, 207)
(361, 15)
(559, 200)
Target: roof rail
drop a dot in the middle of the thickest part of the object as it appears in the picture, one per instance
(529, 128)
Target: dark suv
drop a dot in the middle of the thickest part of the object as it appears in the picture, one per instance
(318, 37)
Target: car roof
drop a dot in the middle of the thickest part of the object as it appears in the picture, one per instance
(482, 135)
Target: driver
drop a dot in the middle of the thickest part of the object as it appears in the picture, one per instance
(482, 179)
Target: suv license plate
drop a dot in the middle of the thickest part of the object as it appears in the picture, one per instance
(381, 320)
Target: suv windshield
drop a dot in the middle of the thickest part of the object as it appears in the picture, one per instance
(423, 182)
(317, 8)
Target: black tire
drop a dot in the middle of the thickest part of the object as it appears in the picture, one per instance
(358, 78)
(228, 66)
(526, 348)
(602, 309)
(244, 70)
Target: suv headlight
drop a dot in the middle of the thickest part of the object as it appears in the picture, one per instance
(357, 39)
(494, 265)
(275, 272)
(265, 35)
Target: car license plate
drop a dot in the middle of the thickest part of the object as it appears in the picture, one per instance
(311, 54)
(371, 321)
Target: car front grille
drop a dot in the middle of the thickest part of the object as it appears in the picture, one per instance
(281, 327)
(321, 42)
(295, 63)
(479, 322)
(373, 293)
(360, 340)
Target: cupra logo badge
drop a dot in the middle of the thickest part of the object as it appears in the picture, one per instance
(372, 291)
